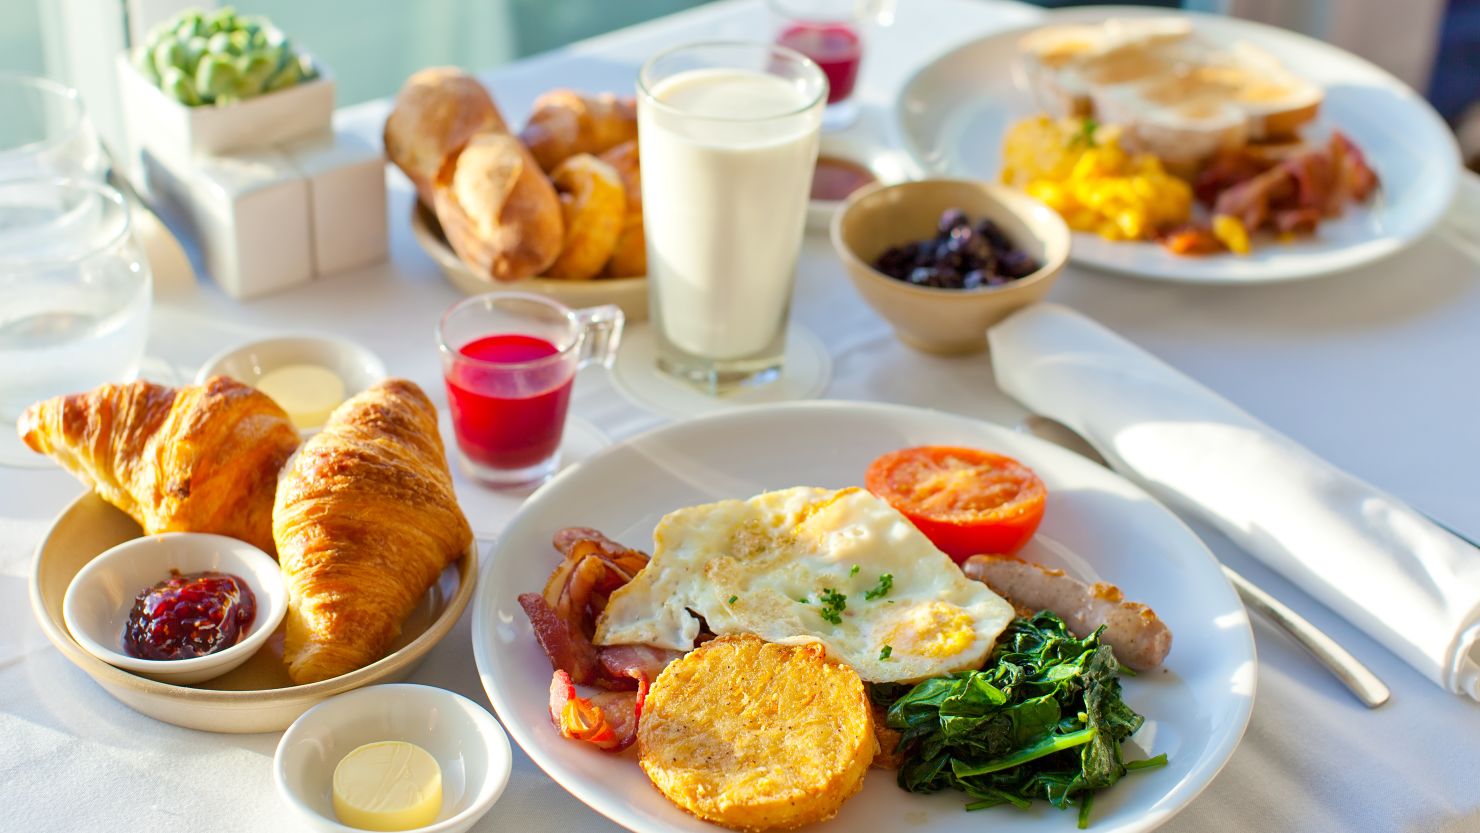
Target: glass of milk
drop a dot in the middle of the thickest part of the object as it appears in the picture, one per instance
(75, 293)
(727, 133)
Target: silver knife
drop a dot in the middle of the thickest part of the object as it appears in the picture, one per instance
(1357, 677)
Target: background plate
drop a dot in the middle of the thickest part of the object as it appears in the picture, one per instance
(1097, 526)
(952, 114)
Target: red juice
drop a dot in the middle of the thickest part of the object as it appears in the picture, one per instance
(835, 47)
(509, 417)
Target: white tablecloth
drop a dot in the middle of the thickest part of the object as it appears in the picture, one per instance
(1373, 370)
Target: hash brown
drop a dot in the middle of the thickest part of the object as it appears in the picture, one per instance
(754, 735)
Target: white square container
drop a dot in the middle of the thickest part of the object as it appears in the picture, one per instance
(346, 194)
(249, 213)
(168, 128)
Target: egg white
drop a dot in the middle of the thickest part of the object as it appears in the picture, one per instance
(745, 566)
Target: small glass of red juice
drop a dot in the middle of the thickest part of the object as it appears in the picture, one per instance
(831, 33)
(509, 359)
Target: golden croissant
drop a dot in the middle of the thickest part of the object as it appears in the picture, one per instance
(365, 521)
(203, 458)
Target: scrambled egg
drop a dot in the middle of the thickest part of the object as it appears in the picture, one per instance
(1082, 172)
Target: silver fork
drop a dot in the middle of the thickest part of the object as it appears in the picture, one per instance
(1357, 677)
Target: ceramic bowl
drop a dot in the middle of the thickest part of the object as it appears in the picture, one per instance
(353, 363)
(945, 320)
(96, 607)
(467, 743)
(888, 165)
(631, 294)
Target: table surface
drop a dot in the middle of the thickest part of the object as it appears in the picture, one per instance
(1373, 370)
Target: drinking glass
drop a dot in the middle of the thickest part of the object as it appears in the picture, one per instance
(509, 360)
(832, 33)
(75, 292)
(728, 135)
(45, 131)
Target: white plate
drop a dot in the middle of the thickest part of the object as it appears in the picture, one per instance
(1097, 526)
(953, 112)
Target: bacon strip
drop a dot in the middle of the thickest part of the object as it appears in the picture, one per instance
(607, 721)
(570, 653)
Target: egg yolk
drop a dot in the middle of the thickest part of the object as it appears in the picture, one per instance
(933, 630)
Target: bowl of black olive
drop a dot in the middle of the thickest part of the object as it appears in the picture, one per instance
(944, 259)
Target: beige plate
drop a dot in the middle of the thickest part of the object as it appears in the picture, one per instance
(256, 697)
(631, 294)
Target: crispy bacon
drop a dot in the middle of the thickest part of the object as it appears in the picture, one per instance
(569, 650)
(1289, 192)
(634, 661)
(607, 720)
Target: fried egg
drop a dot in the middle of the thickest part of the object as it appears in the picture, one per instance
(842, 568)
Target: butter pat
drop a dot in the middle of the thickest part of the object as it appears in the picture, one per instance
(308, 392)
(390, 785)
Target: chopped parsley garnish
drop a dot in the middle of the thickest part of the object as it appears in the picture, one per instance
(853, 571)
(833, 604)
(732, 600)
(885, 651)
(804, 601)
(886, 581)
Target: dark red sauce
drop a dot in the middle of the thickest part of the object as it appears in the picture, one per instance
(834, 179)
(188, 616)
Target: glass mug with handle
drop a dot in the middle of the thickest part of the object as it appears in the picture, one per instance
(509, 360)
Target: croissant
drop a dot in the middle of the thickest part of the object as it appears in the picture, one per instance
(565, 123)
(630, 258)
(194, 459)
(365, 521)
(594, 204)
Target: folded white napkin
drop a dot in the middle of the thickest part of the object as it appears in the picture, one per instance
(1391, 572)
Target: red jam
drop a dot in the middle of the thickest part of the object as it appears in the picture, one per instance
(187, 616)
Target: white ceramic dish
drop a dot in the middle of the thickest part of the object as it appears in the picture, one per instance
(888, 165)
(953, 113)
(96, 607)
(631, 294)
(461, 735)
(353, 363)
(1097, 526)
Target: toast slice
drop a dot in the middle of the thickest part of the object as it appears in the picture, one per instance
(1177, 93)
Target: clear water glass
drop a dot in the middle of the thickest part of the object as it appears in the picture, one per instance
(75, 293)
(728, 134)
(45, 131)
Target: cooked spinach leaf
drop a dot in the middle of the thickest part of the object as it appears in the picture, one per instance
(1043, 719)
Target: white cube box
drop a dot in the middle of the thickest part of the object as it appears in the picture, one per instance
(346, 194)
(248, 213)
(168, 128)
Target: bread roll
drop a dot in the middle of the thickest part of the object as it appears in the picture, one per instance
(499, 211)
(437, 111)
(565, 123)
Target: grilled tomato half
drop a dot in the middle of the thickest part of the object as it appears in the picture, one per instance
(966, 501)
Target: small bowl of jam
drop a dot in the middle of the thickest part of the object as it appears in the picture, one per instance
(181, 607)
(846, 165)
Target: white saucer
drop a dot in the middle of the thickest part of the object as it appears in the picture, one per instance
(804, 375)
(489, 509)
